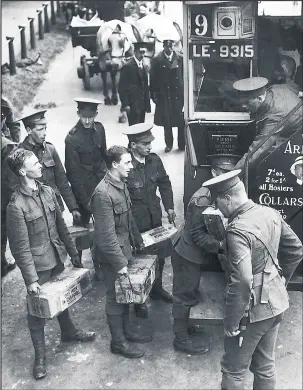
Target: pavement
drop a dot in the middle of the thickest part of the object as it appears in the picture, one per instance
(92, 366)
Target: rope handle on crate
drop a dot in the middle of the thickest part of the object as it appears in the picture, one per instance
(130, 283)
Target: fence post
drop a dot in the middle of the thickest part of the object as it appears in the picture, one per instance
(53, 15)
(32, 33)
(40, 24)
(58, 8)
(46, 21)
(23, 42)
(12, 59)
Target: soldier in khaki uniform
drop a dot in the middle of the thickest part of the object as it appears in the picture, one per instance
(256, 237)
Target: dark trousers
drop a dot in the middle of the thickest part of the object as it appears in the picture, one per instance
(256, 353)
(186, 281)
(112, 308)
(135, 117)
(169, 139)
(64, 319)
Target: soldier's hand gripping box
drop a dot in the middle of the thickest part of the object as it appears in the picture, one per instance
(159, 238)
(136, 286)
(59, 293)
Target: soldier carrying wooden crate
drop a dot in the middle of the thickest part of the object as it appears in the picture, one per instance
(39, 241)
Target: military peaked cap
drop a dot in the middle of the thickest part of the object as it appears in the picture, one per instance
(222, 183)
(140, 132)
(87, 103)
(35, 118)
(251, 87)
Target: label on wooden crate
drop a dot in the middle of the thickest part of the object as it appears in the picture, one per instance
(136, 287)
(59, 293)
(158, 235)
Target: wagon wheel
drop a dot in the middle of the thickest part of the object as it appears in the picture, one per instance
(86, 75)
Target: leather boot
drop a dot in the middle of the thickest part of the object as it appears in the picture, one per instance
(182, 342)
(69, 332)
(158, 291)
(119, 345)
(132, 331)
(141, 310)
(39, 369)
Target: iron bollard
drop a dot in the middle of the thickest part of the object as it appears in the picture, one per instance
(46, 21)
(53, 14)
(40, 24)
(58, 8)
(32, 33)
(23, 42)
(12, 59)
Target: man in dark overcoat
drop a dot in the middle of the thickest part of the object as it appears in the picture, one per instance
(133, 86)
(166, 89)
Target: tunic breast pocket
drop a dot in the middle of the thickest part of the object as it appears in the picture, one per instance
(154, 181)
(49, 171)
(34, 221)
(120, 214)
(86, 156)
(136, 190)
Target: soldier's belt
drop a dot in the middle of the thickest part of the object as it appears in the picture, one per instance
(258, 278)
(262, 279)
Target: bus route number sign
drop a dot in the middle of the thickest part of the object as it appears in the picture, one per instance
(235, 49)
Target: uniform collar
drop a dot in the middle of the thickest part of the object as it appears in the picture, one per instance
(113, 181)
(29, 191)
(266, 105)
(81, 127)
(135, 162)
(170, 58)
(241, 210)
(29, 144)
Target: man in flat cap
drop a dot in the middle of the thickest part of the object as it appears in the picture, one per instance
(53, 173)
(133, 86)
(39, 241)
(147, 176)
(116, 236)
(195, 251)
(263, 253)
(85, 147)
(269, 106)
(9, 126)
(166, 89)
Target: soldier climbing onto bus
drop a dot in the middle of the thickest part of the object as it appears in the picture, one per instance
(269, 106)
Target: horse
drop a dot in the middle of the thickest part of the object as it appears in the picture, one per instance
(154, 29)
(114, 44)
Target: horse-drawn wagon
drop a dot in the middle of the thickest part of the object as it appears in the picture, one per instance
(86, 36)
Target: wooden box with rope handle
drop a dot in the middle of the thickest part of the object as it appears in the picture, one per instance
(136, 286)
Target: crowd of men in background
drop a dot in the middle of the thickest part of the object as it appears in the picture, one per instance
(118, 187)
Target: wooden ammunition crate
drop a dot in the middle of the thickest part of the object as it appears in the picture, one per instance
(215, 223)
(159, 238)
(83, 236)
(59, 293)
(136, 287)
